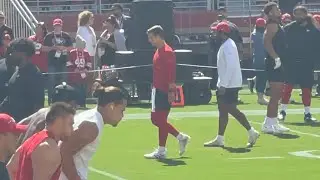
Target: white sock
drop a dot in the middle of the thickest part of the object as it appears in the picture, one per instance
(270, 121)
(180, 136)
(306, 109)
(283, 107)
(220, 138)
(161, 149)
(251, 130)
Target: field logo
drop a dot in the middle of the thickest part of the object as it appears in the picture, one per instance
(307, 154)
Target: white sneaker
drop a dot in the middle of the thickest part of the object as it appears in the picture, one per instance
(214, 143)
(263, 101)
(279, 129)
(156, 154)
(183, 141)
(267, 128)
(253, 136)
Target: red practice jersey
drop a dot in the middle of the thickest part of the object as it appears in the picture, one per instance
(79, 61)
(25, 171)
(164, 68)
(40, 58)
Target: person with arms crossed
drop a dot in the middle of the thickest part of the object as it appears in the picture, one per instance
(57, 57)
(9, 131)
(78, 150)
(163, 93)
(37, 121)
(39, 158)
(303, 42)
(275, 45)
(229, 84)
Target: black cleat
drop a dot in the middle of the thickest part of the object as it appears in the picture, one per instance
(308, 119)
(282, 115)
(251, 84)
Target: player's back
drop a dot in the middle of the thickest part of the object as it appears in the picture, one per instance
(82, 158)
(25, 170)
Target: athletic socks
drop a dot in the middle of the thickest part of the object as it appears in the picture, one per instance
(307, 110)
(283, 107)
(162, 149)
(270, 121)
(220, 138)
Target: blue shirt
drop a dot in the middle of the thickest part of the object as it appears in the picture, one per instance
(259, 53)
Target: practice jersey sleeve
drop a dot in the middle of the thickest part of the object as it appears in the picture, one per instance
(170, 64)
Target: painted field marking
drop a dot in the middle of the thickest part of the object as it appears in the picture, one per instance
(254, 158)
(307, 154)
(112, 176)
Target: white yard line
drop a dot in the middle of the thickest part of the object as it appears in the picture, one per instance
(112, 176)
(201, 114)
(254, 158)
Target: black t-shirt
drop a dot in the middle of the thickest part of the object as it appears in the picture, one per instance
(5, 30)
(25, 92)
(63, 39)
(4, 175)
(6, 71)
(108, 57)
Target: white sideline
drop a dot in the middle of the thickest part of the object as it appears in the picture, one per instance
(112, 176)
(253, 158)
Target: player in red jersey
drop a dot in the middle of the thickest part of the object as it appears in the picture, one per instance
(39, 157)
(79, 63)
(163, 92)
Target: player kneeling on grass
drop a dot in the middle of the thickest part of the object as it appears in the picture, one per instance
(39, 157)
(37, 121)
(163, 92)
(229, 84)
(78, 150)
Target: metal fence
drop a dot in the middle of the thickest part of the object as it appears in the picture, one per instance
(18, 17)
(101, 6)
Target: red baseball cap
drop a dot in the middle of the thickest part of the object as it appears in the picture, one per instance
(7, 124)
(57, 22)
(260, 22)
(317, 17)
(222, 27)
(286, 17)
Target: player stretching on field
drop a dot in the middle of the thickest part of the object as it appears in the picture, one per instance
(229, 84)
(163, 92)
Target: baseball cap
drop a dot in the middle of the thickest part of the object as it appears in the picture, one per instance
(317, 17)
(7, 124)
(286, 17)
(57, 22)
(260, 22)
(222, 27)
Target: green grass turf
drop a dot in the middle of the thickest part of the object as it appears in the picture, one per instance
(122, 148)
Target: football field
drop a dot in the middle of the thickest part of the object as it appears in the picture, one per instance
(291, 156)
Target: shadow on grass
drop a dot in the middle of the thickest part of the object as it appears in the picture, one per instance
(237, 150)
(287, 136)
(174, 161)
(316, 124)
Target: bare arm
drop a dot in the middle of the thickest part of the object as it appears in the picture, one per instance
(12, 165)
(85, 134)
(45, 160)
(269, 34)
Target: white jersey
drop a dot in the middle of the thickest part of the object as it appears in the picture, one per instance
(82, 158)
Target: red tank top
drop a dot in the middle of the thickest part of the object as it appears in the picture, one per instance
(25, 171)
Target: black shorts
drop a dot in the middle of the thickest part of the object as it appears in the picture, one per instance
(159, 100)
(230, 96)
(274, 75)
(300, 76)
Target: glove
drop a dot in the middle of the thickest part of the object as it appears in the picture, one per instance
(277, 62)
